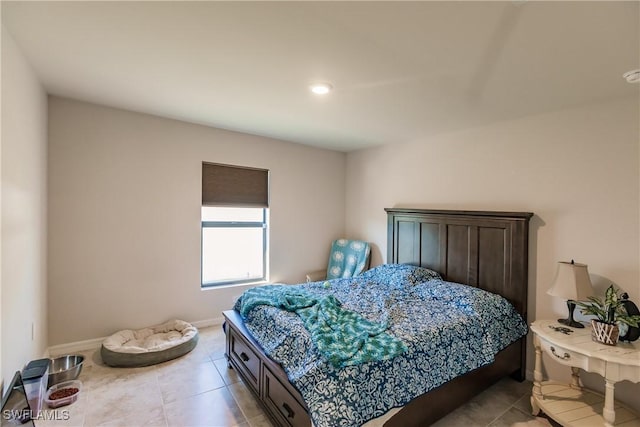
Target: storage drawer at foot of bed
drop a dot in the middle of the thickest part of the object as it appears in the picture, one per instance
(284, 406)
(245, 358)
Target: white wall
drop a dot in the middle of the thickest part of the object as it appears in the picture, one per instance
(577, 170)
(124, 216)
(23, 248)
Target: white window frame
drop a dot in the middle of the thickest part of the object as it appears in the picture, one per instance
(264, 225)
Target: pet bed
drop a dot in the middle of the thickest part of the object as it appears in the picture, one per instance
(149, 346)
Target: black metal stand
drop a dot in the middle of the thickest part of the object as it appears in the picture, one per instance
(571, 305)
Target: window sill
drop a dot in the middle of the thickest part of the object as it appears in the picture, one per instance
(234, 285)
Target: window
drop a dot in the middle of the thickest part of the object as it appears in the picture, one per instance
(235, 218)
(234, 243)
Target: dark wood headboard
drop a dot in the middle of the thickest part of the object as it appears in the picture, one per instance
(488, 250)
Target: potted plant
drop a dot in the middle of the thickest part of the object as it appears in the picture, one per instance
(609, 313)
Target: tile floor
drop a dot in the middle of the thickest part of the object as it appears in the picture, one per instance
(198, 390)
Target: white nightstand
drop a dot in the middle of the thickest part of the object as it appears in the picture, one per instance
(570, 404)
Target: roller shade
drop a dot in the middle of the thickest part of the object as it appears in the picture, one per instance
(227, 185)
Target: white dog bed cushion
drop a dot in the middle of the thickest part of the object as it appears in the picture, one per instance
(149, 346)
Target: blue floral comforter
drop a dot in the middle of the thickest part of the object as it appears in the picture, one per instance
(449, 329)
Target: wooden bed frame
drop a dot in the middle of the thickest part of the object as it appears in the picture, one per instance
(488, 250)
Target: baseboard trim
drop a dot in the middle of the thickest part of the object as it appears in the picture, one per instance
(76, 346)
(95, 343)
(208, 322)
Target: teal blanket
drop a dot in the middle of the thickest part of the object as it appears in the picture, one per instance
(344, 337)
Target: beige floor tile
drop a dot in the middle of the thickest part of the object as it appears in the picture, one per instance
(59, 420)
(200, 352)
(260, 421)
(215, 408)
(245, 400)
(514, 416)
(184, 381)
(148, 418)
(211, 332)
(116, 401)
(100, 377)
(92, 357)
(213, 339)
(509, 390)
(524, 403)
(216, 349)
(230, 376)
(196, 357)
(65, 416)
(538, 422)
(459, 418)
(485, 407)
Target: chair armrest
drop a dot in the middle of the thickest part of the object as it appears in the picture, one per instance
(315, 276)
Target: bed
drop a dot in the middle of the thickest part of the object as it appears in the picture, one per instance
(486, 250)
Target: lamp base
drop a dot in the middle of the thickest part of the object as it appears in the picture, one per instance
(570, 322)
(571, 306)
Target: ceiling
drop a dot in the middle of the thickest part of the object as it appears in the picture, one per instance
(401, 71)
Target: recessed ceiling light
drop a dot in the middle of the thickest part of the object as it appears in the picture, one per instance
(321, 88)
(632, 76)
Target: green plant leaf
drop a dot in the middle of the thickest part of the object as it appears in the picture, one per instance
(610, 310)
(611, 296)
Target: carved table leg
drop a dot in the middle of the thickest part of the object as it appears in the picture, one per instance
(575, 378)
(609, 412)
(536, 393)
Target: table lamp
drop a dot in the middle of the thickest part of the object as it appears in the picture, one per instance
(573, 284)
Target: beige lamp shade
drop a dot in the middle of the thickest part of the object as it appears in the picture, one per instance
(572, 282)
